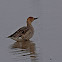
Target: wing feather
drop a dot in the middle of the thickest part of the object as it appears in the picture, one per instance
(19, 32)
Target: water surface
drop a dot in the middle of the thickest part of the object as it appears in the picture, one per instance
(46, 44)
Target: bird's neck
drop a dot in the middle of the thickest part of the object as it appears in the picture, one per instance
(29, 25)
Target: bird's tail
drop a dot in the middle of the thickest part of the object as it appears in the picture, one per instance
(8, 37)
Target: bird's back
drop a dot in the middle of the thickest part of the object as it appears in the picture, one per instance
(19, 32)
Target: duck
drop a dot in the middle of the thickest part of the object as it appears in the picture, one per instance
(25, 32)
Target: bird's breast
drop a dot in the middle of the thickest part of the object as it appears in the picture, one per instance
(28, 34)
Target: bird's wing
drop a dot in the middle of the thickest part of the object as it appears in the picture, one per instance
(19, 32)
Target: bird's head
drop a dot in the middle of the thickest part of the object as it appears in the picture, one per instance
(31, 19)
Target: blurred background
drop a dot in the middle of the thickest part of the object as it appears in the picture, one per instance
(46, 44)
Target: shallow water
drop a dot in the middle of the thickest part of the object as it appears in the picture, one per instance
(46, 44)
(24, 50)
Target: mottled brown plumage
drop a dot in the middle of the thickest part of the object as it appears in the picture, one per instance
(19, 32)
(25, 32)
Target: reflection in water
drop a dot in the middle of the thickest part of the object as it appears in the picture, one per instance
(25, 48)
